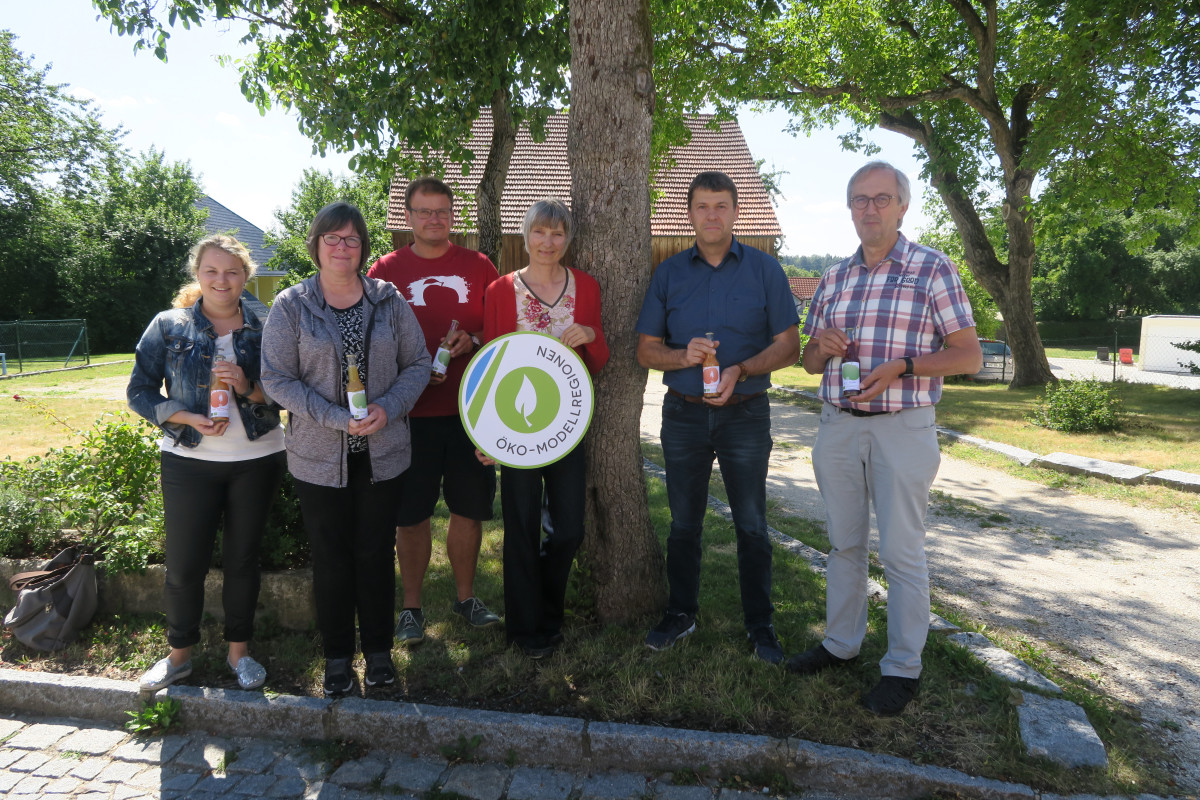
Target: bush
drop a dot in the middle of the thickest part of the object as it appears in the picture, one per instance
(105, 494)
(1078, 407)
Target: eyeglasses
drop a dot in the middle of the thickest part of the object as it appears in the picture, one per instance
(430, 213)
(860, 201)
(333, 240)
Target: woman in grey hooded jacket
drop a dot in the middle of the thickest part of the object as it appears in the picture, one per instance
(345, 469)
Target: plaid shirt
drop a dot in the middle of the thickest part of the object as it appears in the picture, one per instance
(905, 306)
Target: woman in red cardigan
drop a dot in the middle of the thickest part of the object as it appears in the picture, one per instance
(565, 303)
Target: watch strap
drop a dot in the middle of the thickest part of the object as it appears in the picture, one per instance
(743, 373)
(908, 368)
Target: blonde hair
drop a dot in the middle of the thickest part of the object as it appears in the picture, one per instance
(189, 293)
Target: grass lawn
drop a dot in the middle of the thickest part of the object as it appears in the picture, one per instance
(1162, 432)
(76, 397)
(963, 719)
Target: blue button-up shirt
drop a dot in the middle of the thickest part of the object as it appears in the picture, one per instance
(745, 302)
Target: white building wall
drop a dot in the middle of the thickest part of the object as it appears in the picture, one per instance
(1160, 334)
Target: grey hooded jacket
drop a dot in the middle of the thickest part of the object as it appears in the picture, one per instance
(302, 359)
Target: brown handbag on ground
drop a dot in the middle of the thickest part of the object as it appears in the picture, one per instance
(55, 602)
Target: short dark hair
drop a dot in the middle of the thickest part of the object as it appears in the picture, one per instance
(427, 185)
(714, 181)
(331, 218)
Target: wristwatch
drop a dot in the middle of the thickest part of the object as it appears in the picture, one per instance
(743, 373)
(475, 343)
(908, 368)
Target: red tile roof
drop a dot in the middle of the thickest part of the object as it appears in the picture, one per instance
(804, 288)
(539, 169)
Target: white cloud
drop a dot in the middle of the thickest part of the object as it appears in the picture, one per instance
(228, 120)
(124, 101)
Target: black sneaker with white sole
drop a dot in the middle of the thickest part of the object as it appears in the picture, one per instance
(339, 677)
(380, 670)
(670, 630)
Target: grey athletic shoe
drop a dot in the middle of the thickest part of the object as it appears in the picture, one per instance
(250, 674)
(475, 612)
(410, 630)
(163, 674)
(672, 628)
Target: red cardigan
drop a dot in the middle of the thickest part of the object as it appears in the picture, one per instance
(500, 315)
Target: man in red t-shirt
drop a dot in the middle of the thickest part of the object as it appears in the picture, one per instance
(442, 282)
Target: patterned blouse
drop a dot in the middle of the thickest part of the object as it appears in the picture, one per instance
(535, 314)
(350, 325)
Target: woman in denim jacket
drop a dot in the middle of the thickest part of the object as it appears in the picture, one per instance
(347, 470)
(212, 470)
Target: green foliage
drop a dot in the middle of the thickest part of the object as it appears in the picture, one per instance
(1086, 406)
(154, 718)
(316, 190)
(44, 131)
(1193, 347)
(463, 751)
(808, 266)
(130, 245)
(942, 236)
(105, 489)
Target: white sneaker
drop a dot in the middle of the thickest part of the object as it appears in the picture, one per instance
(163, 674)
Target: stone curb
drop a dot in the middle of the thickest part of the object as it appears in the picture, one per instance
(560, 742)
(1062, 462)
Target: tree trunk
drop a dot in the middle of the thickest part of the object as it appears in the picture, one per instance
(608, 148)
(495, 174)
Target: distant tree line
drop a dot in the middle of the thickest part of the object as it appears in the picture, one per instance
(87, 229)
(807, 266)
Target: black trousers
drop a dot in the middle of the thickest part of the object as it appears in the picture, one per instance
(536, 569)
(352, 535)
(197, 496)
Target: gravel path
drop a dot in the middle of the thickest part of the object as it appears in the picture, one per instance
(1107, 591)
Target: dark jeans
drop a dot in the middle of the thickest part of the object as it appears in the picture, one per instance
(536, 568)
(197, 495)
(740, 439)
(351, 532)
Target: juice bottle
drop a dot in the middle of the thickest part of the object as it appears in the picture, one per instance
(851, 385)
(711, 371)
(356, 393)
(441, 359)
(218, 395)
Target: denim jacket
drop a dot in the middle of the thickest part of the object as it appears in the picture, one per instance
(177, 350)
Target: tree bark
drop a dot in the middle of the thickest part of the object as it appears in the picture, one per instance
(495, 175)
(608, 148)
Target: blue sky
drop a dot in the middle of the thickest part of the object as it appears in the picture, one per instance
(192, 109)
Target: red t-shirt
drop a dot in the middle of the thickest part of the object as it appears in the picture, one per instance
(439, 290)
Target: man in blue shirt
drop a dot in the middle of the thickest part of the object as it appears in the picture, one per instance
(741, 295)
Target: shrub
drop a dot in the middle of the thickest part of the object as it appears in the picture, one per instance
(105, 489)
(1078, 407)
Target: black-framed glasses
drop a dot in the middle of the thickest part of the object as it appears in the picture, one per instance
(860, 201)
(430, 213)
(333, 240)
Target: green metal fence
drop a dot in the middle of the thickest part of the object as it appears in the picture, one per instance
(27, 345)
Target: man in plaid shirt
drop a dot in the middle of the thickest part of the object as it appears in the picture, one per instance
(903, 307)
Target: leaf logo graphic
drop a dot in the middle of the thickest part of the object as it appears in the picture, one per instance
(527, 399)
(526, 402)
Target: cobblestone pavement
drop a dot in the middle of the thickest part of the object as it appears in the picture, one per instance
(65, 758)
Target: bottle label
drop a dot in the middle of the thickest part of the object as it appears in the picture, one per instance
(441, 362)
(850, 378)
(712, 379)
(358, 404)
(218, 404)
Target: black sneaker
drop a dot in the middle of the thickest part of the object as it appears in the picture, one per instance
(815, 659)
(380, 669)
(672, 628)
(891, 695)
(339, 677)
(537, 648)
(766, 644)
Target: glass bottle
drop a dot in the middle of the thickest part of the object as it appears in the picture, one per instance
(711, 371)
(218, 395)
(441, 359)
(356, 393)
(851, 376)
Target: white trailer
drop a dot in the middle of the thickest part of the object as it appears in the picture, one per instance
(1160, 335)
